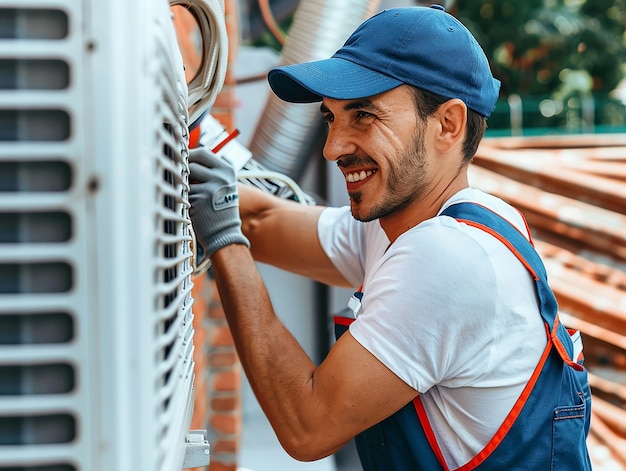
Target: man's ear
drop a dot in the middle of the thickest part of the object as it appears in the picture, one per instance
(452, 117)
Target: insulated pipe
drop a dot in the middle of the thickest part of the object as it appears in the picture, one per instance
(286, 134)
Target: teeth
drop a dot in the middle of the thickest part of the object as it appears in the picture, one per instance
(358, 176)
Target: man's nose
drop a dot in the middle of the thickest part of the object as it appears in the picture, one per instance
(339, 142)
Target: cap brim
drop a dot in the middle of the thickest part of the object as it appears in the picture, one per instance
(329, 78)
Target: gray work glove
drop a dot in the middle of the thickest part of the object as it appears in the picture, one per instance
(214, 201)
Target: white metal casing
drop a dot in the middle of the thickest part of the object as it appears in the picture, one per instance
(96, 340)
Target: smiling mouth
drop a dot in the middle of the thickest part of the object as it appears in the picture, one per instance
(358, 176)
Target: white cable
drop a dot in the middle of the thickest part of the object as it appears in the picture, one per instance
(299, 195)
(209, 79)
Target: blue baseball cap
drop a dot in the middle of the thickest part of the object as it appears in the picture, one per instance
(421, 46)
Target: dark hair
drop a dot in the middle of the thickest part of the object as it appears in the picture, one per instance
(427, 103)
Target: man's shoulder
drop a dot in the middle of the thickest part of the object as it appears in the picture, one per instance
(495, 204)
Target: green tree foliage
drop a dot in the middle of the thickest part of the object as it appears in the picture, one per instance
(559, 50)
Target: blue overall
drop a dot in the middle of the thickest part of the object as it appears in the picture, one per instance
(548, 425)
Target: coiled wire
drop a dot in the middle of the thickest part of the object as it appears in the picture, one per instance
(208, 82)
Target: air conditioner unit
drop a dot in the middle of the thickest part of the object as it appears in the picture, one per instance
(96, 336)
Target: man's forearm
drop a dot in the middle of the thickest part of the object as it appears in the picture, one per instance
(279, 371)
(283, 233)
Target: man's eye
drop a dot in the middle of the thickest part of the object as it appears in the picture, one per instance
(327, 118)
(363, 114)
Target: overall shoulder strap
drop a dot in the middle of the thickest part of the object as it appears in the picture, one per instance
(483, 218)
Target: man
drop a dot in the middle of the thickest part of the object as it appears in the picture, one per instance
(454, 357)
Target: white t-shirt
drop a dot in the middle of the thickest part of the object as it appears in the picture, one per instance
(450, 310)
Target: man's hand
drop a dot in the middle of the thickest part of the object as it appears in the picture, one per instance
(214, 201)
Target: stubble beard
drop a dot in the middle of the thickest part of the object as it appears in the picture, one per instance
(405, 183)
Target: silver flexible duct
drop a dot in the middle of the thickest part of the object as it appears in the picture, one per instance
(286, 133)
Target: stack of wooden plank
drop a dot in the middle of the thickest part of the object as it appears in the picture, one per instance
(572, 190)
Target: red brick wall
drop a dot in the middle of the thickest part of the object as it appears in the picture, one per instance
(200, 417)
(217, 405)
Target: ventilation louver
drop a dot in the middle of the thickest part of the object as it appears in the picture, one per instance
(96, 337)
